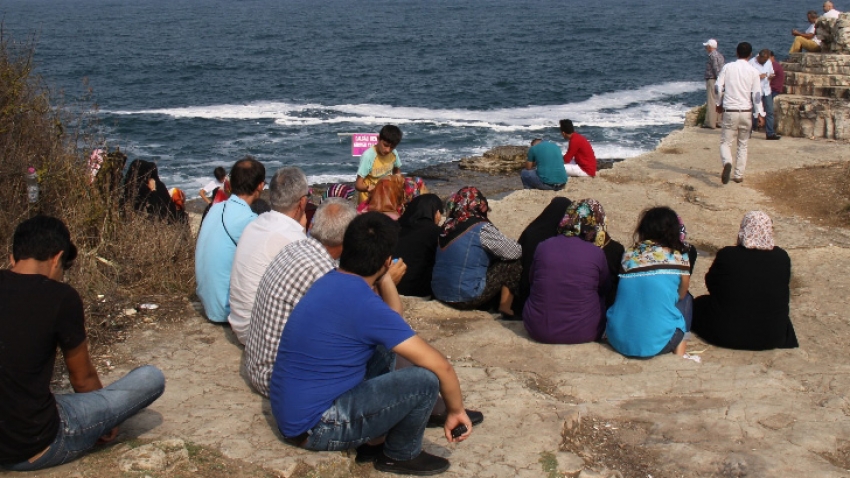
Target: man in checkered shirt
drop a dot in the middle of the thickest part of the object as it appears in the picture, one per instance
(286, 280)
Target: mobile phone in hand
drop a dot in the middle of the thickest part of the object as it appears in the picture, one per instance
(458, 431)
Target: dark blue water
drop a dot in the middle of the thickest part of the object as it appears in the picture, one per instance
(194, 84)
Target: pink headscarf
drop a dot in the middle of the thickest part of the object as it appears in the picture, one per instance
(756, 231)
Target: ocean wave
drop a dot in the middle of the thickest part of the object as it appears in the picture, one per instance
(646, 106)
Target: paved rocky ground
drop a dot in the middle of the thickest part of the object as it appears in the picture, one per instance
(572, 410)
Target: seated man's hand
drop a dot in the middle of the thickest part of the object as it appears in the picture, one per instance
(108, 436)
(452, 421)
(761, 121)
(396, 271)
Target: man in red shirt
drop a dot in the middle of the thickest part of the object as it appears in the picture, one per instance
(580, 160)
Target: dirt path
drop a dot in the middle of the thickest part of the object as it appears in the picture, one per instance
(766, 414)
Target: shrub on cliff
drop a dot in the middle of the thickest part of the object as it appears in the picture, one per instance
(121, 255)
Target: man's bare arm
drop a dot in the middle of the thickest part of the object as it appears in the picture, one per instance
(421, 354)
(82, 373)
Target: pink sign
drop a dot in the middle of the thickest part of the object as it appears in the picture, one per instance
(360, 142)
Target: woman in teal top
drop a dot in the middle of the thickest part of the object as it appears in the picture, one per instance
(652, 310)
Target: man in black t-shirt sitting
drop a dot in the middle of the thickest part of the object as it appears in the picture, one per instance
(39, 312)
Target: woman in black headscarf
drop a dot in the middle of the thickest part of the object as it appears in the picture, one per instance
(148, 193)
(545, 226)
(417, 243)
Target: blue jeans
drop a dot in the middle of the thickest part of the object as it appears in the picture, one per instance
(769, 119)
(85, 417)
(396, 404)
(530, 180)
(686, 307)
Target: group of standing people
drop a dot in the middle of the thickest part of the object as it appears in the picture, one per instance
(740, 94)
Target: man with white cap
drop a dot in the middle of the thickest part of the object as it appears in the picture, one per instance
(712, 69)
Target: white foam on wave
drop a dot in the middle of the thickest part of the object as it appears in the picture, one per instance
(627, 109)
(612, 150)
(330, 178)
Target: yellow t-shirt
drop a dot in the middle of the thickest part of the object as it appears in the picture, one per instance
(381, 166)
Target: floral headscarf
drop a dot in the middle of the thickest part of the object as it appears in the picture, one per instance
(756, 231)
(413, 187)
(467, 203)
(585, 219)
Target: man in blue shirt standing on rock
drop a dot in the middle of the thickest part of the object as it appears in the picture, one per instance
(550, 175)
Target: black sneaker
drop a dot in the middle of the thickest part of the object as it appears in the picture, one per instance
(439, 421)
(774, 137)
(367, 453)
(425, 464)
(727, 170)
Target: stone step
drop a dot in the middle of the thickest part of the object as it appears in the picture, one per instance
(812, 117)
(808, 84)
(818, 63)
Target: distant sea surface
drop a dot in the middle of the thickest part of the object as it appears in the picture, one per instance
(194, 84)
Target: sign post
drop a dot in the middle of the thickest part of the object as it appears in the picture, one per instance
(360, 142)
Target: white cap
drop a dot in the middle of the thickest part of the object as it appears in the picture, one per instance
(711, 42)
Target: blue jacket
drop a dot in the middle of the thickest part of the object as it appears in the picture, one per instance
(460, 270)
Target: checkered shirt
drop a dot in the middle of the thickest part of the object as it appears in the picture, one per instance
(501, 246)
(289, 276)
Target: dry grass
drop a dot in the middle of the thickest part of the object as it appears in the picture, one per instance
(122, 254)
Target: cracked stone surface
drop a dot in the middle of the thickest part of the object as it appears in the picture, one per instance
(755, 414)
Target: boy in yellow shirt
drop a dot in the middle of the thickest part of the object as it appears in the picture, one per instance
(378, 161)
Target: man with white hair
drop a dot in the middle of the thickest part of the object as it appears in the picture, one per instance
(262, 239)
(829, 10)
(712, 70)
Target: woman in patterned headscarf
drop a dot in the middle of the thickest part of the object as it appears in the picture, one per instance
(748, 286)
(652, 311)
(475, 262)
(569, 279)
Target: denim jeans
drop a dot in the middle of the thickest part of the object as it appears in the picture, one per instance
(396, 404)
(769, 118)
(530, 180)
(686, 307)
(85, 417)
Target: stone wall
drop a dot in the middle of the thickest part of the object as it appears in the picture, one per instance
(817, 86)
(812, 117)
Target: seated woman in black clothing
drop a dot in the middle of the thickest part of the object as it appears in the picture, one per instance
(417, 243)
(148, 194)
(545, 226)
(748, 284)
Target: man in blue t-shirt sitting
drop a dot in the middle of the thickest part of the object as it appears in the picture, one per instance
(550, 175)
(333, 386)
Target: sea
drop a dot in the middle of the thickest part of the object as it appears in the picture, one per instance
(195, 84)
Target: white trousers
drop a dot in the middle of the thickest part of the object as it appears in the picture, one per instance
(736, 126)
(574, 170)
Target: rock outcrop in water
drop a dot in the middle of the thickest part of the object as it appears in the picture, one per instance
(817, 86)
(509, 159)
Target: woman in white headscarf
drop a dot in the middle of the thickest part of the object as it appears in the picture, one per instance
(748, 285)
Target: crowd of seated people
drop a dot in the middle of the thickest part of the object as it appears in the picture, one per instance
(316, 301)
